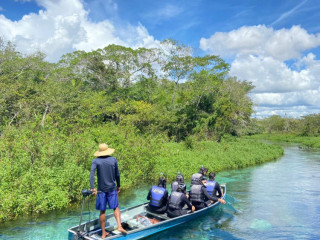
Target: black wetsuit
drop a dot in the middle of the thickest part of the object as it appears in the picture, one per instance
(216, 190)
(203, 204)
(180, 211)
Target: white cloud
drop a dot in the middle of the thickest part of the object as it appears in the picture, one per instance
(288, 13)
(295, 111)
(301, 98)
(271, 75)
(169, 11)
(259, 56)
(283, 44)
(64, 27)
(166, 12)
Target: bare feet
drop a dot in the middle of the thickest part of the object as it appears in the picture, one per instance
(104, 235)
(121, 229)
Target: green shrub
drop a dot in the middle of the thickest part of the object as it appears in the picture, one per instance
(310, 142)
(230, 154)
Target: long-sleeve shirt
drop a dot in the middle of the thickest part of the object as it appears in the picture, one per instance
(216, 190)
(184, 200)
(107, 173)
(207, 196)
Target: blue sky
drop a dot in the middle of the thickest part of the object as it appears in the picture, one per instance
(275, 44)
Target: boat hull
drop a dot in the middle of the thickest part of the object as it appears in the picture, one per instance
(145, 231)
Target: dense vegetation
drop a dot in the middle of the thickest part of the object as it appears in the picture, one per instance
(230, 153)
(305, 130)
(309, 142)
(308, 125)
(150, 104)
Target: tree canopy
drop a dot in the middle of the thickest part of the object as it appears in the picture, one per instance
(53, 115)
(166, 90)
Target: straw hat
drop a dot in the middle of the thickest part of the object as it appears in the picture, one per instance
(104, 150)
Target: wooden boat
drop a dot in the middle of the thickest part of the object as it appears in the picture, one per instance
(92, 231)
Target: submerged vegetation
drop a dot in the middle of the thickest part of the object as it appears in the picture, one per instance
(162, 109)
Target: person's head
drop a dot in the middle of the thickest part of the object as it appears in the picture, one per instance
(212, 175)
(180, 178)
(203, 171)
(104, 150)
(162, 182)
(196, 178)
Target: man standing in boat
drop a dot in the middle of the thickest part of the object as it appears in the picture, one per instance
(108, 185)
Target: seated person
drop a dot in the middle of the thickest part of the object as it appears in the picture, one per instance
(177, 201)
(199, 194)
(213, 187)
(175, 184)
(158, 196)
(203, 171)
(145, 221)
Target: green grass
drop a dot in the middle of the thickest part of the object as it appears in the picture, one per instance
(229, 154)
(310, 142)
(44, 171)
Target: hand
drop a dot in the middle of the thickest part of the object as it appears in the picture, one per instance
(222, 201)
(211, 201)
(193, 208)
(118, 190)
(94, 191)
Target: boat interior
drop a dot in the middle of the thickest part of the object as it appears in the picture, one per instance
(128, 218)
(129, 222)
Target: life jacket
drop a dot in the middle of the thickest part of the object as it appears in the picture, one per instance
(196, 194)
(174, 186)
(157, 194)
(175, 200)
(196, 178)
(210, 186)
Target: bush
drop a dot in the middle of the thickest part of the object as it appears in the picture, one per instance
(46, 170)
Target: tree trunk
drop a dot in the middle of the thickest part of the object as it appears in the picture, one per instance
(44, 115)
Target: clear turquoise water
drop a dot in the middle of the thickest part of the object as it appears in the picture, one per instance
(276, 200)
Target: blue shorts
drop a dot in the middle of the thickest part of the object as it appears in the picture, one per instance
(107, 197)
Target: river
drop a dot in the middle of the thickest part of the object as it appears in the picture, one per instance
(276, 200)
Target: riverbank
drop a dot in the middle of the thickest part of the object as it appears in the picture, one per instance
(246, 216)
(48, 171)
(310, 142)
(231, 153)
